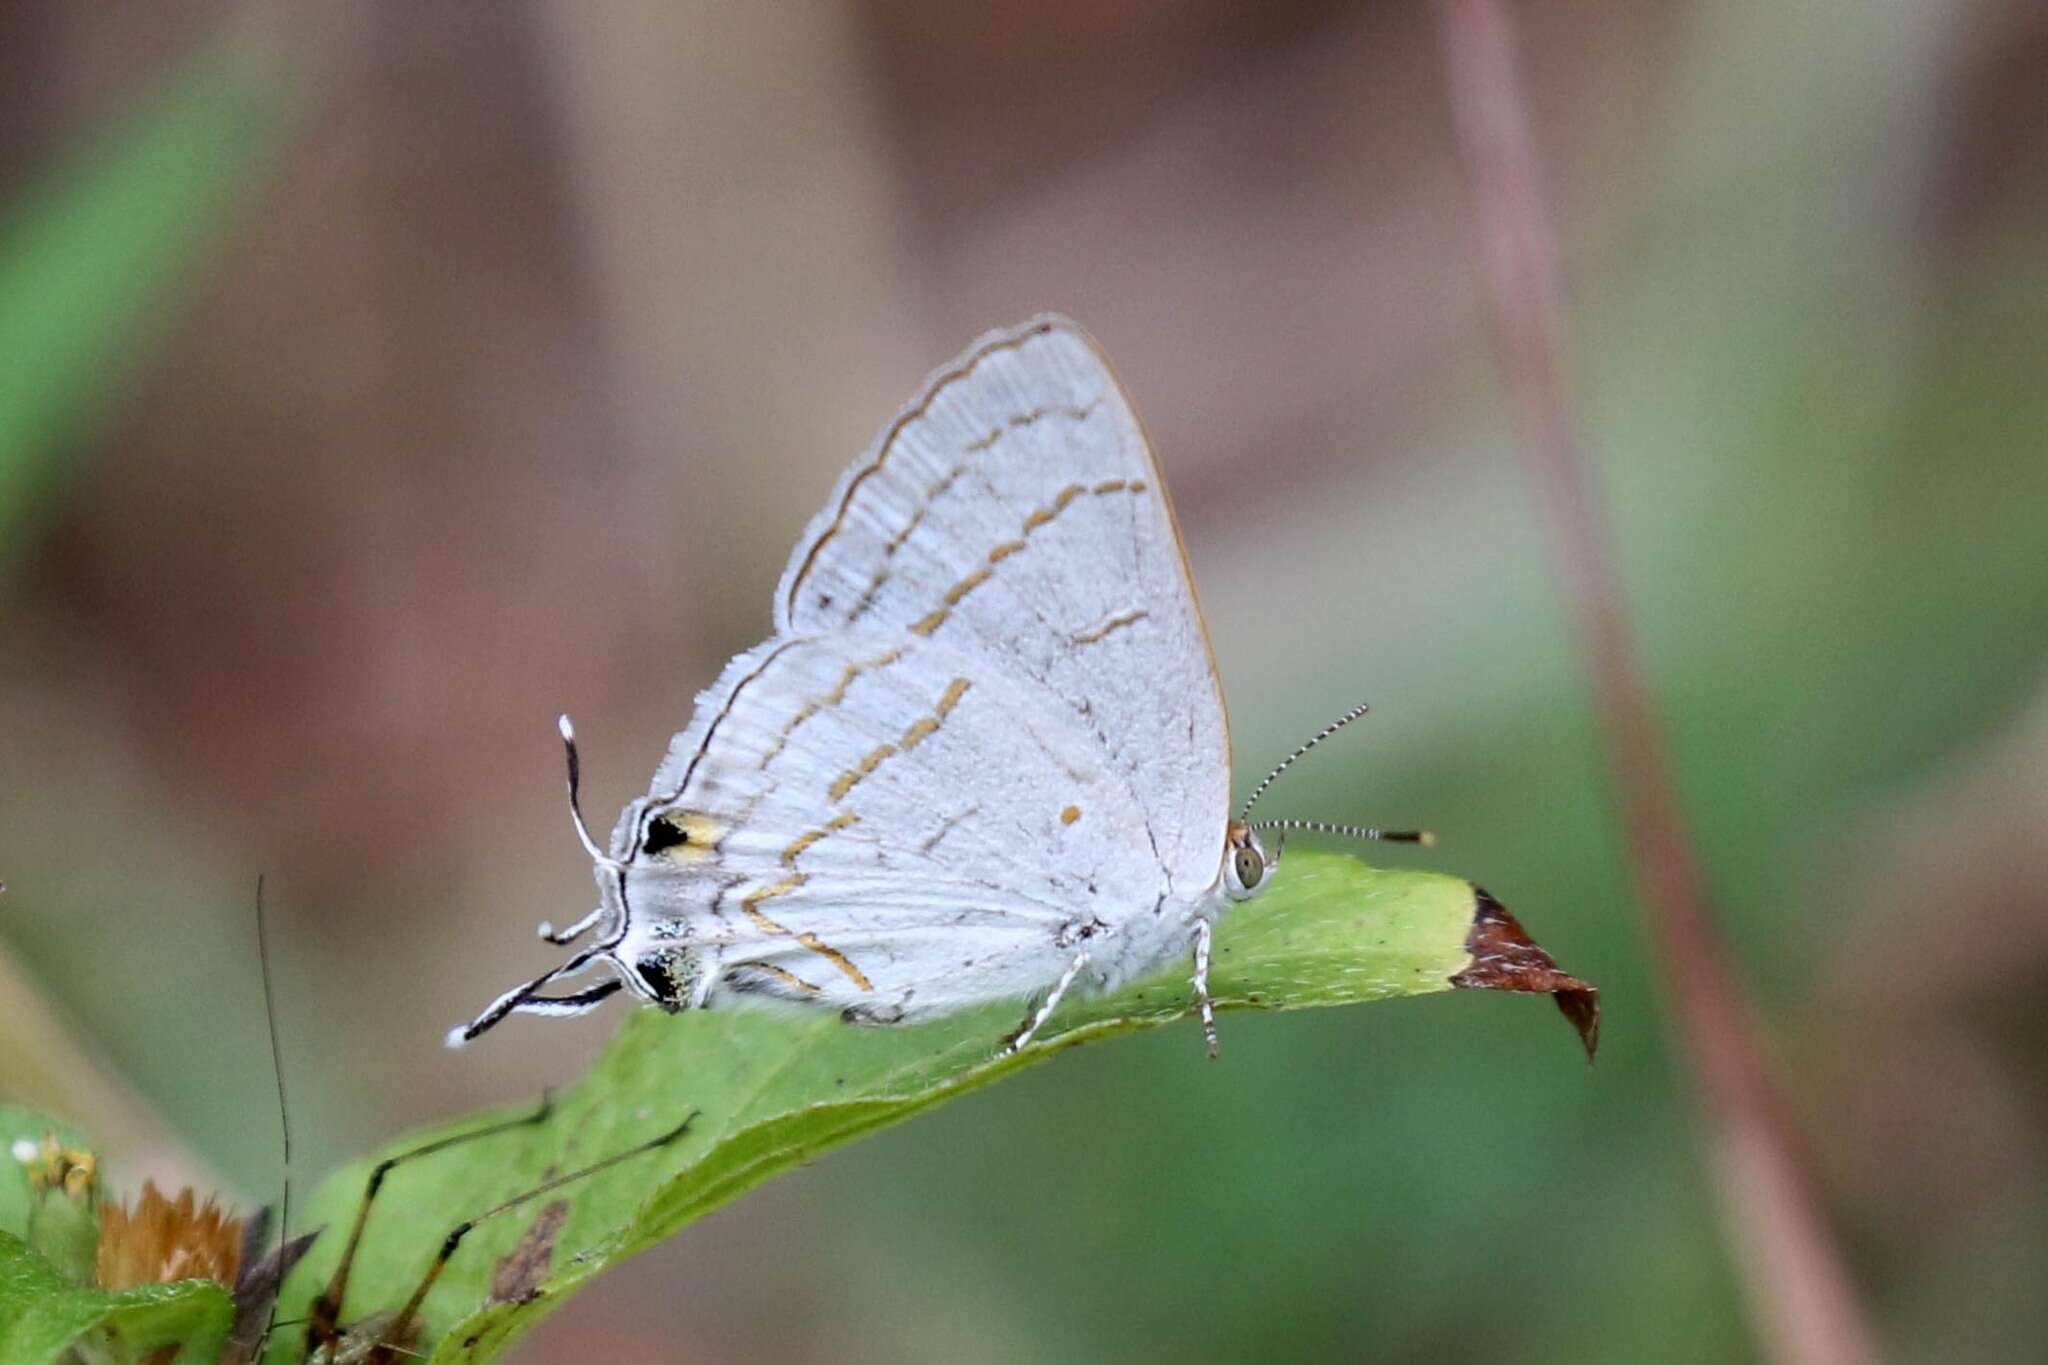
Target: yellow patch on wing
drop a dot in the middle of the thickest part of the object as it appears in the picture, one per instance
(699, 833)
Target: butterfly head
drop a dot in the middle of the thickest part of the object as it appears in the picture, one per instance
(1245, 863)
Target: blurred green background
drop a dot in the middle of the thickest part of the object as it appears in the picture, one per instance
(377, 382)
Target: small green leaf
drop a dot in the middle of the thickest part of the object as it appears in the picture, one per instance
(777, 1088)
(43, 1315)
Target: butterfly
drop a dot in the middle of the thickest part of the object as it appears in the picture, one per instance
(983, 757)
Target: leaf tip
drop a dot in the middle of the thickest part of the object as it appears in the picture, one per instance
(1505, 958)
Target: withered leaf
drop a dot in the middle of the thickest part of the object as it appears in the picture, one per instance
(1505, 958)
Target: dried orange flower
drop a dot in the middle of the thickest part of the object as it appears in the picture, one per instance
(163, 1240)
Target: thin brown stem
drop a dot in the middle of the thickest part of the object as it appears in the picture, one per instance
(1799, 1292)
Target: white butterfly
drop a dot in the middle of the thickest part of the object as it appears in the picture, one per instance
(983, 757)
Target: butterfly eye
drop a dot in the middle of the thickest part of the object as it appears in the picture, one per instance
(1250, 867)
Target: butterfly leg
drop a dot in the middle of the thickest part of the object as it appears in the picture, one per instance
(1200, 981)
(1036, 1019)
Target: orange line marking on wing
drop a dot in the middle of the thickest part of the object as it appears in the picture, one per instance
(1109, 627)
(752, 905)
(955, 690)
(812, 836)
(851, 778)
(780, 973)
(967, 585)
(932, 620)
(837, 959)
(830, 699)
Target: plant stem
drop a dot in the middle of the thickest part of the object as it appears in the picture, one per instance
(1799, 1293)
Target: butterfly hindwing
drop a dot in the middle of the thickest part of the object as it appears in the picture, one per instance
(869, 813)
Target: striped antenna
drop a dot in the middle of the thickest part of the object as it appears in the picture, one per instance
(1332, 728)
(1390, 836)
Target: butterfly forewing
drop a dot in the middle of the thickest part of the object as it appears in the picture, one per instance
(1014, 512)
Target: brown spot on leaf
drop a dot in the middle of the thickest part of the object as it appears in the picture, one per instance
(518, 1277)
(1505, 958)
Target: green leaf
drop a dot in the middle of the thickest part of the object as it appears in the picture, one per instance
(89, 259)
(774, 1089)
(43, 1315)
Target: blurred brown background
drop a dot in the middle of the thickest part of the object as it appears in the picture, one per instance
(486, 360)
